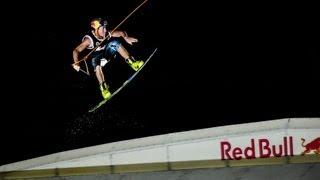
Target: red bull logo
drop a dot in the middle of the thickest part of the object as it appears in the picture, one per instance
(264, 150)
(311, 146)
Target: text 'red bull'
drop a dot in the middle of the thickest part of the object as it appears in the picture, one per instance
(265, 149)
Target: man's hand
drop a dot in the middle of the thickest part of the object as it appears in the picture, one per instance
(131, 40)
(76, 67)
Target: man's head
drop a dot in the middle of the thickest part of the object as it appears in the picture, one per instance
(98, 25)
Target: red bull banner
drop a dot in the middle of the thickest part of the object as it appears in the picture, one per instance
(265, 148)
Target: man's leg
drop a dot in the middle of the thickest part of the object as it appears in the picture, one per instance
(102, 84)
(115, 46)
(129, 59)
(99, 74)
(123, 52)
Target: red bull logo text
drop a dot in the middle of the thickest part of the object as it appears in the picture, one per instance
(264, 149)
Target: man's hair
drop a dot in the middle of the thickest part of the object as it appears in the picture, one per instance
(95, 23)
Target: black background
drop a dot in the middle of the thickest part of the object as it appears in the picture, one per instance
(217, 64)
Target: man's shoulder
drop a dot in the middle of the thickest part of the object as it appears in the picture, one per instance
(87, 37)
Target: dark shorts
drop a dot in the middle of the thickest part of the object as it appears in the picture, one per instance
(110, 50)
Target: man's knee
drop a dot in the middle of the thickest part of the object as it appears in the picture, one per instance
(97, 68)
(115, 43)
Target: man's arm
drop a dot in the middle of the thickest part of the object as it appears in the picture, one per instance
(77, 51)
(125, 36)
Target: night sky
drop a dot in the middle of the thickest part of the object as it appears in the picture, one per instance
(215, 65)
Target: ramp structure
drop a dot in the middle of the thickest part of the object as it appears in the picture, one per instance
(283, 149)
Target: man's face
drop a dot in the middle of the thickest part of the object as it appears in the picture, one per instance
(102, 31)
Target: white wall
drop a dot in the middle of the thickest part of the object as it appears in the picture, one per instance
(203, 144)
